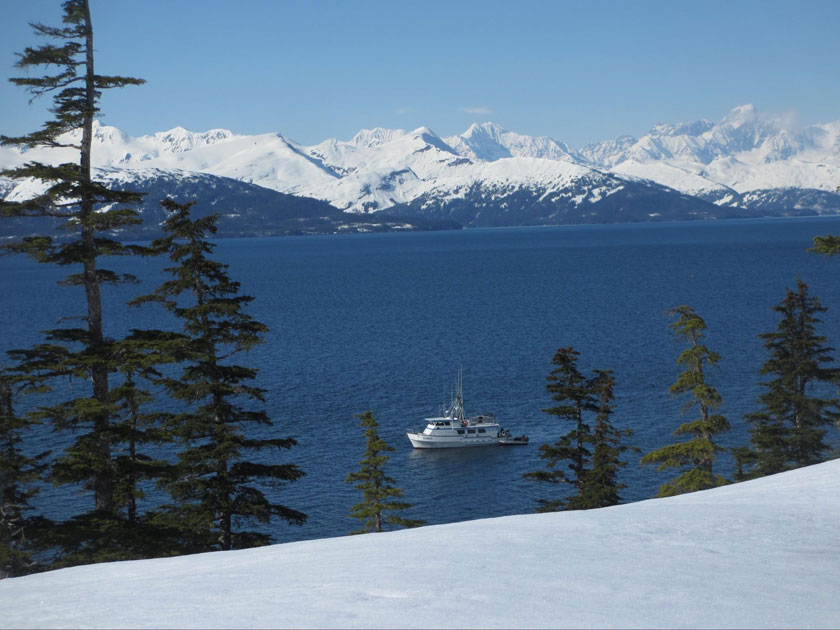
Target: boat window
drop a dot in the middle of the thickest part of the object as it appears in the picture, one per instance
(448, 424)
(482, 431)
(470, 430)
(460, 431)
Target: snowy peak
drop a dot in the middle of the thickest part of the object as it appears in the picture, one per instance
(746, 150)
(482, 142)
(376, 137)
(179, 140)
(739, 116)
(430, 139)
(695, 128)
(106, 134)
(490, 142)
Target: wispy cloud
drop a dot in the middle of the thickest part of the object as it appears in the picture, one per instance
(477, 110)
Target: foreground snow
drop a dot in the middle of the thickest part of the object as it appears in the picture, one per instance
(758, 554)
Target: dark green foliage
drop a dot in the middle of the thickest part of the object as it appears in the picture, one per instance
(214, 486)
(828, 245)
(19, 532)
(378, 489)
(789, 431)
(594, 480)
(72, 195)
(696, 456)
(599, 485)
(81, 357)
(570, 388)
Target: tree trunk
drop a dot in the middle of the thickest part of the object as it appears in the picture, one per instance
(103, 482)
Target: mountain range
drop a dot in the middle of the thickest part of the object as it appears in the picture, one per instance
(746, 165)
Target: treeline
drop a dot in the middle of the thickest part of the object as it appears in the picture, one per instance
(212, 474)
(789, 430)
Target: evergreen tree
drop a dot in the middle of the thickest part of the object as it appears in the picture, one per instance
(213, 483)
(89, 211)
(828, 245)
(576, 396)
(89, 214)
(18, 474)
(378, 489)
(789, 431)
(135, 427)
(599, 485)
(697, 455)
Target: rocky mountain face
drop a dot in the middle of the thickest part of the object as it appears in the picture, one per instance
(745, 165)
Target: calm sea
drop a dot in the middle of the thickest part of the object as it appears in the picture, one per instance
(381, 322)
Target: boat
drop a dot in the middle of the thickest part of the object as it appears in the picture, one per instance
(508, 439)
(454, 429)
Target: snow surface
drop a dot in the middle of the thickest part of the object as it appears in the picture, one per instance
(758, 554)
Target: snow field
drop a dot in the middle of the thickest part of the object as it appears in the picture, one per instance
(757, 554)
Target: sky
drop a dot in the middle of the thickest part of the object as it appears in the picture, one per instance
(578, 71)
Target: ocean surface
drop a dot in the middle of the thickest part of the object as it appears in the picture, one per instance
(381, 322)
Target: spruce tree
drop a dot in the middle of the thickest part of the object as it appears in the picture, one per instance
(789, 431)
(599, 485)
(215, 483)
(696, 456)
(90, 213)
(576, 396)
(19, 531)
(378, 489)
(828, 245)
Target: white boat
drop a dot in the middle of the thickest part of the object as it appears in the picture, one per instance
(454, 429)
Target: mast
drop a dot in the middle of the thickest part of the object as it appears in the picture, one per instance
(458, 405)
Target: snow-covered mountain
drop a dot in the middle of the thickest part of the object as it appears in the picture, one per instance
(745, 152)
(758, 554)
(747, 164)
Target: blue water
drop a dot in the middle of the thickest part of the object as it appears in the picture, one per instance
(382, 321)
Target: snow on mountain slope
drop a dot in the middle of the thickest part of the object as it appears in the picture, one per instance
(681, 178)
(245, 209)
(489, 142)
(747, 150)
(759, 554)
(532, 191)
(384, 168)
(267, 160)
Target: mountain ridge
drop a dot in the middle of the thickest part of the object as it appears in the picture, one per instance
(676, 169)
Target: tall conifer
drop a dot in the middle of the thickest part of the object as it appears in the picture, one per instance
(378, 489)
(696, 456)
(91, 213)
(789, 431)
(216, 483)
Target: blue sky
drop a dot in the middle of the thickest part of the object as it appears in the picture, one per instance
(579, 71)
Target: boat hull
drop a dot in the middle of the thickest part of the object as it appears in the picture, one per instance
(514, 441)
(419, 440)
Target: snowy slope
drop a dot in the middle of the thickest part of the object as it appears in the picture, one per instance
(758, 554)
(747, 152)
(490, 142)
